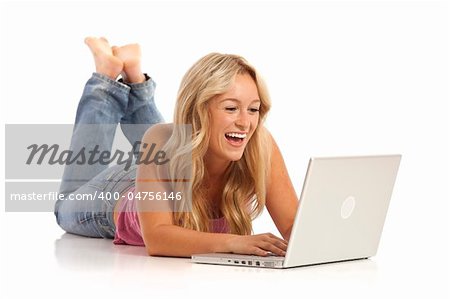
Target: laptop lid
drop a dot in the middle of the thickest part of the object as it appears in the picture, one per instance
(343, 206)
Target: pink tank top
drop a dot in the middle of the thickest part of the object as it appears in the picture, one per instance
(128, 230)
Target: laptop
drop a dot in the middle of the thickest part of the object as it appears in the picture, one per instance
(343, 206)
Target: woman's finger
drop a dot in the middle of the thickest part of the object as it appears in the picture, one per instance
(259, 251)
(277, 238)
(272, 248)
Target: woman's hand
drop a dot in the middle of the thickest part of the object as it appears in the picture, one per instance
(262, 244)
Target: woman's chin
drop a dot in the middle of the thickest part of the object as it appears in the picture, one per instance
(235, 157)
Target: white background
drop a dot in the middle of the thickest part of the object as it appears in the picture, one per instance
(346, 78)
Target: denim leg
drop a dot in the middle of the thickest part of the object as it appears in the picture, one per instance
(103, 103)
(142, 112)
(93, 216)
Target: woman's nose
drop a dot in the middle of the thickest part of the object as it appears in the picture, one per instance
(243, 120)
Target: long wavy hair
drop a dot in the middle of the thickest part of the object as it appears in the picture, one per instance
(244, 193)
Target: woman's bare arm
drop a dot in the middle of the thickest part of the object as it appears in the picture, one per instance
(281, 201)
(171, 240)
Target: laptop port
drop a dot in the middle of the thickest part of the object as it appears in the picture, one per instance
(236, 262)
(257, 263)
(243, 262)
(249, 263)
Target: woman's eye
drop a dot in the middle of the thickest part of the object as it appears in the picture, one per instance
(254, 110)
(231, 109)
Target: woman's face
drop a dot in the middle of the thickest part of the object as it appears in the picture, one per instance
(234, 118)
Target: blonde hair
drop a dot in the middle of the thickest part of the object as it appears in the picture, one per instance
(244, 193)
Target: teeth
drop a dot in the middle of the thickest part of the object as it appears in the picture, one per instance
(242, 136)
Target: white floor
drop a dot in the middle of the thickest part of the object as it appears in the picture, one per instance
(41, 260)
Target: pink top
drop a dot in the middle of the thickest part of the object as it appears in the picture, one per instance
(128, 230)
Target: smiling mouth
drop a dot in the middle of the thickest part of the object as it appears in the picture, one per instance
(236, 139)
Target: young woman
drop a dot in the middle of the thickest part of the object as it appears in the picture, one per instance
(236, 167)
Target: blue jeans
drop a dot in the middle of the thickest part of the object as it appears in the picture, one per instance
(104, 102)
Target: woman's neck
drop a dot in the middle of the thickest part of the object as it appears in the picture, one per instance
(215, 168)
(214, 182)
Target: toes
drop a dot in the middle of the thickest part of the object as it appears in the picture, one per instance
(87, 40)
(90, 40)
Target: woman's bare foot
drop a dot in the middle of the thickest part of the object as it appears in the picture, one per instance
(105, 61)
(130, 55)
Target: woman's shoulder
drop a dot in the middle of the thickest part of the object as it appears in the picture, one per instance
(163, 128)
(159, 132)
(269, 141)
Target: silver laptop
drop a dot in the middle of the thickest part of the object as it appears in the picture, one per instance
(342, 209)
